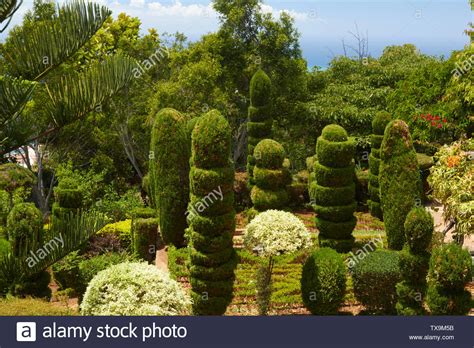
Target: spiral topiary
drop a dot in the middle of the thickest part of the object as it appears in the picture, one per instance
(379, 123)
(414, 259)
(449, 272)
(399, 180)
(334, 189)
(323, 282)
(269, 176)
(169, 174)
(24, 225)
(259, 125)
(68, 199)
(133, 288)
(211, 216)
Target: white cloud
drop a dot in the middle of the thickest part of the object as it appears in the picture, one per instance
(178, 9)
(137, 3)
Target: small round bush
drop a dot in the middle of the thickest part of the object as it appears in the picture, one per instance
(276, 232)
(450, 267)
(323, 282)
(375, 278)
(269, 154)
(419, 228)
(134, 289)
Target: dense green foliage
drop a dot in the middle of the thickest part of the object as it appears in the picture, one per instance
(260, 120)
(414, 259)
(25, 227)
(379, 123)
(68, 199)
(399, 178)
(169, 174)
(450, 270)
(211, 217)
(146, 240)
(380, 268)
(334, 188)
(269, 176)
(323, 282)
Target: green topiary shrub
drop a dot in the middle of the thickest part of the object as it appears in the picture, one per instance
(399, 180)
(134, 289)
(323, 282)
(169, 174)
(24, 225)
(146, 238)
(414, 260)
(334, 189)
(449, 271)
(211, 216)
(68, 199)
(269, 176)
(375, 277)
(379, 123)
(259, 125)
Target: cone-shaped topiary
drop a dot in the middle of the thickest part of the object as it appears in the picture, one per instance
(211, 216)
(379, 123)
(399, 181)
(334, 189)
(24, 225)
(414, 260)
(169, 174)
(449, 272)
(259, 125)
(269, 176)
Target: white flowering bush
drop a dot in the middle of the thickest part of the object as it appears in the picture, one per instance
(276, 232)
(134, 288)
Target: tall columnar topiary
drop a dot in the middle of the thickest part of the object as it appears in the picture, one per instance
(259, 125)
(414, 260)
(399, 181)
(211, 216)
(379, 123)
(449, 272)
(334, 189)
(24, 225)
(269, 176)
(169, 174)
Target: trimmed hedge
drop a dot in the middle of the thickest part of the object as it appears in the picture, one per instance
(169, 174)
(259, 125)
(333, 189)
(269, 176)
(323, 282)
(146, 238)
(399, 180)
(379, 123)
(211, 216)
(24, 226)
(375, 278)
(449, 271)
(68, 199)
(414, 260)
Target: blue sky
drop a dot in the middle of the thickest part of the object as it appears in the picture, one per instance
(434, 26)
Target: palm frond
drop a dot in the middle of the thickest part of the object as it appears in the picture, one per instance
(77, 94)
(74, 230)
(32, 52)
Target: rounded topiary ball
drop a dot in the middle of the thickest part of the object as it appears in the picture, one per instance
(323, 282)
(134, 288)
(450, 266)
(419, 227)
(276, 232)
(334, 132)
(24, 221)
(380, 121)
(269, 154)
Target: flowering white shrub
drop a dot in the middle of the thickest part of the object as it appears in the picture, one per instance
(276, 232)
(134, 288)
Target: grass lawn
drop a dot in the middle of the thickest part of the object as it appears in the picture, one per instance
(28, 306)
